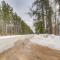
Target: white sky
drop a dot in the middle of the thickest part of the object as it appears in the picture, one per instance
(21, 7)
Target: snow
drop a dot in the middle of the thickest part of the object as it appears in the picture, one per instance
(52, 41)
(7, 42)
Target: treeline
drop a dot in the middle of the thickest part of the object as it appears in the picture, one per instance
(45, 15)
(10, 22)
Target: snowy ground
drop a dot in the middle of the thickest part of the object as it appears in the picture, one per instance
(7, 42)
(52, 41)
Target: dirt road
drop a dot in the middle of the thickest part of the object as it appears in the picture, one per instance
(27, 51)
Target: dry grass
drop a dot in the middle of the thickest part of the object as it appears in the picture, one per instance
(28, 51)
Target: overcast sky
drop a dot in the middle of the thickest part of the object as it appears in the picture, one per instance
(21, 7)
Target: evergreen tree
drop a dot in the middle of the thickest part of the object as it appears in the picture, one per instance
(13, 24)
(5, 11)
(25, 28)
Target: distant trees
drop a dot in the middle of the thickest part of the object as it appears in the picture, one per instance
(10, 22)
(25, 28)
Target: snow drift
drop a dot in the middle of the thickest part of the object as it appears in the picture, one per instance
(52, 41)
(7, 42)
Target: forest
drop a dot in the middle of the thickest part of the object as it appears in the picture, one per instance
(10, 22)
(46, 16)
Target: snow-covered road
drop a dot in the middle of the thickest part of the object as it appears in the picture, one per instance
(7, 42)
(51, 41)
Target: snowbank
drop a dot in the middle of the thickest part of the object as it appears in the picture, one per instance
(52, 41)
(7, 42)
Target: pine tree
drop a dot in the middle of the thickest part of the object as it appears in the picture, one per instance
(42, 12)
(13, 23)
